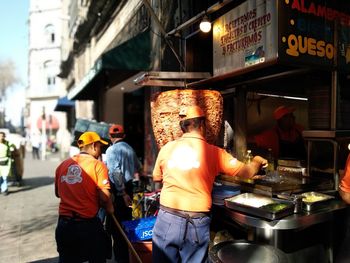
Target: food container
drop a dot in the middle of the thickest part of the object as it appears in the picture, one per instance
(314, 200)
(241, 251)
(261, 206)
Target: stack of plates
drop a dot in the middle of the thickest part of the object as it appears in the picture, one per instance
(221, 192)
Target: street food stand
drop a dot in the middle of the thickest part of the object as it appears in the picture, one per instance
(284, 49)
(270, 52)
(288, 49)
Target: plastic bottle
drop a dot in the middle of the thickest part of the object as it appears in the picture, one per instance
(271, 162)
(249, 157)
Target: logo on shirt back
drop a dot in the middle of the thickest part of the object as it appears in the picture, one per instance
(184, 158)
(73, 175)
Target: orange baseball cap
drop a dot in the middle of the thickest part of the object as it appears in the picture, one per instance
(191, 112)
(116, 128)
(281, 111)
(90, 137)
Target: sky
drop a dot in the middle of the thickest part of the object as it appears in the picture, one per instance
(14, 46)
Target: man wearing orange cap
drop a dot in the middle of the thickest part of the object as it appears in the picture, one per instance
(82, 184)
(285, 138)
(123, 167)
(187, 167)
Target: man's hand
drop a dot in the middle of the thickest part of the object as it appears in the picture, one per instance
(261, 161)
(250, 170)
(127, 200)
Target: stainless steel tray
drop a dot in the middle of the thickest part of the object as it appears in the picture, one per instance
(259, 205)
(315, 200)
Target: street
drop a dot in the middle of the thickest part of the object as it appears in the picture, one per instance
(29, 214)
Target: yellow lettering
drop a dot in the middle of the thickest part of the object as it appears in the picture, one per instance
(329, 51)
(320, 48)
(304, 45)
(292, 46)
(311, 44)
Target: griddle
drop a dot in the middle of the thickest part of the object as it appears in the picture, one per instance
(272, 185)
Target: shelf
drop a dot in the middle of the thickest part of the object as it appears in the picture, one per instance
(326, 134)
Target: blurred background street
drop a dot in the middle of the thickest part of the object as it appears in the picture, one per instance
(29, 214)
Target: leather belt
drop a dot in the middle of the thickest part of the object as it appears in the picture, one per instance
(183, 213)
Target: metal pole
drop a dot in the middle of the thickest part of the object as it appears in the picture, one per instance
(43, 135)
(126, 239)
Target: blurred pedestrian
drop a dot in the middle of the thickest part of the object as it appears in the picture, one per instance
(6, 150)
(82, 184)
(123, 167)
(35, 140)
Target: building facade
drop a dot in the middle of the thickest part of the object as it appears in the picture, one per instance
(110, 44)
(253, 54)
(44, 87)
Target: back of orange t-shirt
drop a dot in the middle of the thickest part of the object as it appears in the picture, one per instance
(188, 167)
(77, 181)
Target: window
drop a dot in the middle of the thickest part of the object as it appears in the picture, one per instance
(50, 73)
(50, 34)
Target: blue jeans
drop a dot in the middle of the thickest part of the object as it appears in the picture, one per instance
(4, 173)
(3, 183)
(175, 239)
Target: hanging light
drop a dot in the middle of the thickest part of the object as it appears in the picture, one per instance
(205, 25)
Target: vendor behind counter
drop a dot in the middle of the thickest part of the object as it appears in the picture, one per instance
(285, 138)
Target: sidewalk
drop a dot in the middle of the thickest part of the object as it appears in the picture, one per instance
(28, 215)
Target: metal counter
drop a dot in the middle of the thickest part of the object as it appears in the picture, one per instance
(314, 232)
(295, 221)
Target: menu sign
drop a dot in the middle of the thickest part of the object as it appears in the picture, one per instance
(245, 36)
(315, 32)
(297, 32)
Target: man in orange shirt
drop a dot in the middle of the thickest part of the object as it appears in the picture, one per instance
(187, 167)
(344, 186)
(285, 138)
(343, 254)
(82, 184)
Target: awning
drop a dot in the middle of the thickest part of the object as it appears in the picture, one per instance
(126, 59)
(169, 78)
(64, 104)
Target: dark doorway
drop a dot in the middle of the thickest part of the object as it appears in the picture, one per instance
(134, 120)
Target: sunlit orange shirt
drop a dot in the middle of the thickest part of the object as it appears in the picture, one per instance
(78, 180)
(345, 180)
(188, 167)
